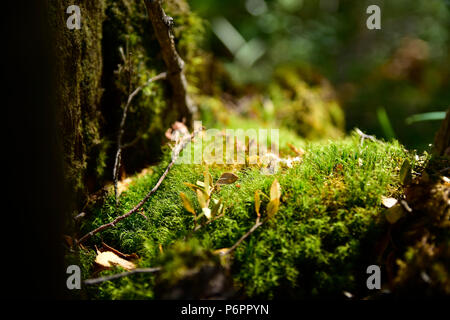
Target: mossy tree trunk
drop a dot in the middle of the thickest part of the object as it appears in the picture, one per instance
(90, 93)
(442, 140)
(78, 71)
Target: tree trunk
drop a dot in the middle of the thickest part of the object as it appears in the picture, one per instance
(442, 140)
(78, 69)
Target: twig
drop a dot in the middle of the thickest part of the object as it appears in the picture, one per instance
(176, 152)
(120, 145)
(364, 136)
(80, 216)
(257, 224)
(198, 227)
(120, 275)
(162, 26)
(445, 169)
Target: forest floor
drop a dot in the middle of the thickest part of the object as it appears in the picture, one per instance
(310, 229)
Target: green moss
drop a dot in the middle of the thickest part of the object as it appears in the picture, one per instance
(127, 26)
(330, 209)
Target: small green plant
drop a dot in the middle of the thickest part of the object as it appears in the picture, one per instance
(204, 191)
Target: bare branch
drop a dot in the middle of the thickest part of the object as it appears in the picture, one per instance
(198, 227)
(120, 275)
(364, 136)
(257, 224)
(120, 145)
(176, 152)
(162, 26)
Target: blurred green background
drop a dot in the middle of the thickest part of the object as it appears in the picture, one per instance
(382, 78)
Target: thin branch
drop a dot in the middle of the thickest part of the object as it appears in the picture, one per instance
(198, 227)
(364, 136)
(120, 145)
(257, 224)
(176, 152)
(162, 26)
(120, 275)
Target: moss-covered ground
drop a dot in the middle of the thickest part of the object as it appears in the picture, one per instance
(318, 244)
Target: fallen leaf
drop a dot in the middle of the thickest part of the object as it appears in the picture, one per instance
(123, 185)
(227, 178)
(298, 151)
(109, 259)
(120, 254)
(221, 251)
(69, 240)
(388, 202)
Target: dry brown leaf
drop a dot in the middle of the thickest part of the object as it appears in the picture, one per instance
(299, 151)
(69, 240)
(227, 178)
(109, 259)
(123, 185)
(221, 251)
(125, 256)
(388, 202)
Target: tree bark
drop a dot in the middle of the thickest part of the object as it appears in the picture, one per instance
(78, 69)
(175, 65)
(442, 140)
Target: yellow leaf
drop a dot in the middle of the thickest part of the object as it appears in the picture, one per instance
(257, 202)
(109, 259)
(217, 208)
(221, 251)
(187, 203)
(272, 207)
(207, 212)
(193, 187)
(275, 190)
(201, 198)
(200, 183)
